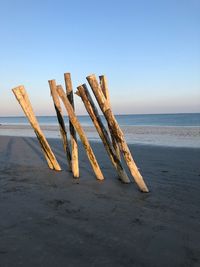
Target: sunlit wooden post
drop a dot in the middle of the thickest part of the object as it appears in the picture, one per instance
(117, 132)
(63, 132)
(74, 120)
(104, 87)
(93, 112)
(23, 99)
(74, 144)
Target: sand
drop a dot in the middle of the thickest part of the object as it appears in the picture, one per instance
(47, 218)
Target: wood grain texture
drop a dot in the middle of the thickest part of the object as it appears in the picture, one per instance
(94, 115)
(74, 120)
(74, 144)
(63, 132)
(104, 88)
(117, 132)
(23, 99)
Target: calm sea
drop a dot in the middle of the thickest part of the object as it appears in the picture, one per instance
(183, 119)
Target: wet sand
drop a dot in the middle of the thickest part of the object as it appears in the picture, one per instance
(47, 218)
(176, 136)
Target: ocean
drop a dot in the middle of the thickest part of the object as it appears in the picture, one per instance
(182, 130)
(181, 119)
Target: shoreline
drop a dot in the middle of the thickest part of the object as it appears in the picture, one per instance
(173, 136)
(98, 141)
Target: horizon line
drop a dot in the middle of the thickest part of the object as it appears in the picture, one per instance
(127, 114)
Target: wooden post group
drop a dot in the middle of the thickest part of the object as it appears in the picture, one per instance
(117, 132)
(63, 132)
(113, 140)
(93, 112)
(74, 120)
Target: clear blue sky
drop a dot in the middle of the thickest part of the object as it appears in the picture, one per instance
(149, 50)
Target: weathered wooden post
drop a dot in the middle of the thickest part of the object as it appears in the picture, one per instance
(117, 132)
(79, 129)
(74, 144)
(63, 132)
(104, 87)
(93, 112)
(22, 97)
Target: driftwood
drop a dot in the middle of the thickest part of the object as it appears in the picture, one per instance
(74, 144)
(63, 131)
(93, 112)
(117, 132)
(104, 88)
(81, 133)
(22, 97)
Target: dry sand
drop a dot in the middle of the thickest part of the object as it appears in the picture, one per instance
(49, 219)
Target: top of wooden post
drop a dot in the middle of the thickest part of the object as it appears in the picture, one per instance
(100, 97)
(68, 82)
(20, 89)
(52, 85)
(104, 87)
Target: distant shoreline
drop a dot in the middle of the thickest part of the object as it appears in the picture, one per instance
(116, 114)
(170, 136)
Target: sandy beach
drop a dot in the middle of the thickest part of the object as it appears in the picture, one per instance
(50, 219)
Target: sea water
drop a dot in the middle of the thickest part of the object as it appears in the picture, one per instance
(181, 119)
(181, 130)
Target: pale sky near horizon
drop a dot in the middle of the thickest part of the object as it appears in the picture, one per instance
(149, 51)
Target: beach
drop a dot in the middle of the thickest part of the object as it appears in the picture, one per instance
(174, 136)
(50, 219)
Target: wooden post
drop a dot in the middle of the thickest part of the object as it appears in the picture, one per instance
(93, 112)
(117, 132)
(74, 144)
(22, 97)
(63, 132)
(81, 133)
(104, 88)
